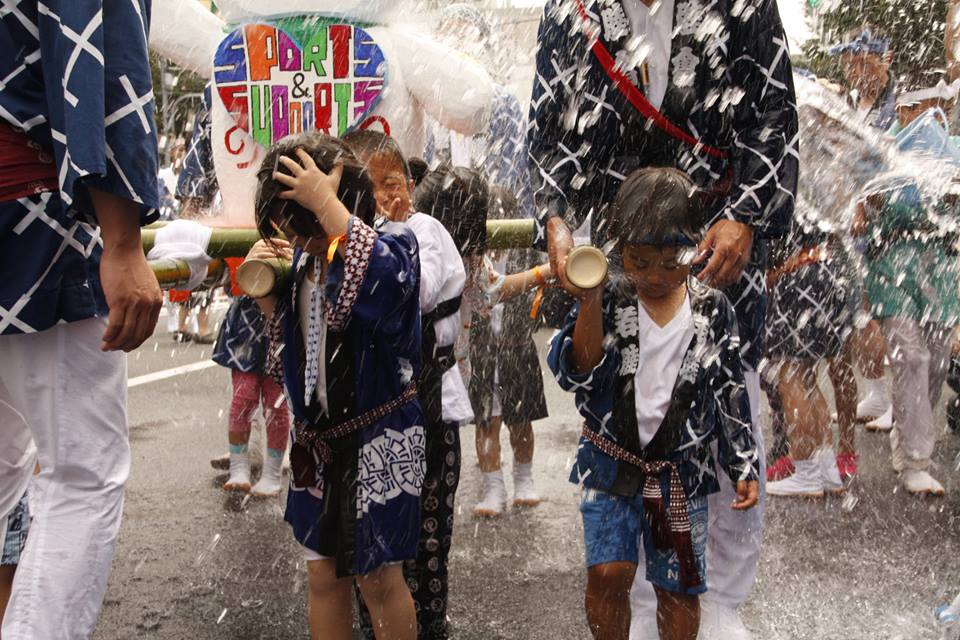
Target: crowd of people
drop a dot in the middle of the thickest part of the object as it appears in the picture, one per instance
(702, 164)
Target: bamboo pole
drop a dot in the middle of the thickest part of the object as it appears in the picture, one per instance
(262, 276)
(509, 234)
(176, 273)
(224, 242)
(236, 242)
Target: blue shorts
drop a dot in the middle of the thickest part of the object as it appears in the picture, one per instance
(613, 527)
(18, 525)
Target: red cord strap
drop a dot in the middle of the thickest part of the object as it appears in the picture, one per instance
(636, 97)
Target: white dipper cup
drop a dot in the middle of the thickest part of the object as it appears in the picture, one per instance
(586, 266)
(257, 278)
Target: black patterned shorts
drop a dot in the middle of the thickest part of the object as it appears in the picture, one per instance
(811, 312)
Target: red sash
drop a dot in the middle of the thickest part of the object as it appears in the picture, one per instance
(25, 168)
(636, 97)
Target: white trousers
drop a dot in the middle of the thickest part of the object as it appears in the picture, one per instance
(74, 399)
(919, 359)
(733, 538)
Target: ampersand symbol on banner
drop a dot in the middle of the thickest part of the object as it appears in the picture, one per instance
(298, 91)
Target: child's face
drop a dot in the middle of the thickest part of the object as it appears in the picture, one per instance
(391, 187)
(315, 246)
(865, 71)
(656, 271)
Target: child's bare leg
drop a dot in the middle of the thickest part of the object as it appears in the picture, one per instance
(869, 349)
(803, 408)
(278, 426)
(678, 615)
(488, 444)
(329, 607)
(608, 599)
(521, 441)
(203, 320)
(494, 492)
(183, 316)
(245, 400)
(6, 585)
(845, 395)
(811, 439)
(388, 599)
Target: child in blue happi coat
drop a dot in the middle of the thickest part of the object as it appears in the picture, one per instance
(442, 394)
(653, 357)
(345, 337)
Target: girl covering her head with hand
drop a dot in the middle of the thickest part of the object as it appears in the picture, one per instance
(345, 341)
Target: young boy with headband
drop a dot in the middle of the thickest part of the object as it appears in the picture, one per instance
(654, 359)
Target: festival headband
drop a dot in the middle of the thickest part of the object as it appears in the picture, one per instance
(941, 90)
(863, 43)
(672, 240)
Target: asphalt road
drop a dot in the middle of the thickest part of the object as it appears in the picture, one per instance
(195, 562)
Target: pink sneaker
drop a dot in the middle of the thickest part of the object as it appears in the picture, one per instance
(780, 469)
(847, 464)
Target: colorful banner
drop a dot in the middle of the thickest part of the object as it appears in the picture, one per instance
(274, 86)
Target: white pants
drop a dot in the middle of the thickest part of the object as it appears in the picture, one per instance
(74, 399)
(919, 359)
(733, 538)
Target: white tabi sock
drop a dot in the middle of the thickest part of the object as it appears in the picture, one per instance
(271, 478)
(494, 499)
(524, 489)
(876, 388)
(239, 469)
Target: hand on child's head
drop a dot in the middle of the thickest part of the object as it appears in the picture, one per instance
(308, 185)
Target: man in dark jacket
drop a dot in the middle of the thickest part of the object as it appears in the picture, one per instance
(705, 87)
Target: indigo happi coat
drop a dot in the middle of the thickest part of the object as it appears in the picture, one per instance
(363, 506)
(709, 401)
(730, 94)
(76, 94)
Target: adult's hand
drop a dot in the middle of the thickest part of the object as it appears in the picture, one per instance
(748, 494)
(133, 297)
(559, 244)
(132, 292)
(728, 243)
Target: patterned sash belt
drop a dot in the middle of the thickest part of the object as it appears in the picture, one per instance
(320, 440)
(670, 527)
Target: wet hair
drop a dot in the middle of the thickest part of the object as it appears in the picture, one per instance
(503, 203)
(418, 169)
(355, 190)
(367, 143)
(656, 205)
(459, 198)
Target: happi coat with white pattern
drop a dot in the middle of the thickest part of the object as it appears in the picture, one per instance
(729, 86)
(709, 401)
(74, 78)
(362, 507)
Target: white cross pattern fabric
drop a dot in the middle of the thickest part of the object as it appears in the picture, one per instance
(731, 88)
(77, 82)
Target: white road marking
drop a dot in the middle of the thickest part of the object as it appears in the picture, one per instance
(169, 373)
